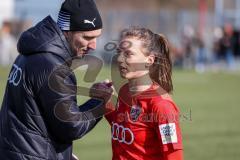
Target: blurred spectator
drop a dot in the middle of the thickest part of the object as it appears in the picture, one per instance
(236, 43)
(8, 50)
(226, 47)
(217, 36)
(200, 54)
(187, 46)
(228, 44)
(176, 56)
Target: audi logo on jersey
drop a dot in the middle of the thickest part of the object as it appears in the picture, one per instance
(122, 134)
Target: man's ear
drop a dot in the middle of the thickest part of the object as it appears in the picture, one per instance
(67, 34)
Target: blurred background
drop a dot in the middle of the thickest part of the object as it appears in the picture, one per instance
(205, 42)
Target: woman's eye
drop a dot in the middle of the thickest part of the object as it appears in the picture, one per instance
(127, 53)
(119, 51)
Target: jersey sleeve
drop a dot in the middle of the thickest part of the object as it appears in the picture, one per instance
(167, 125)
(113, 108)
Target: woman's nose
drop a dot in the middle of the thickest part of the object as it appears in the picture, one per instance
(120, 58)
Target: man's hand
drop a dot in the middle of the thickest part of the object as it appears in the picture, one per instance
(102, 90)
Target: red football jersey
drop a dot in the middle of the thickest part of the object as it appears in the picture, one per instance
(144, 126)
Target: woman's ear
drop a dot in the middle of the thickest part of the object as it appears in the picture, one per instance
(150, 60)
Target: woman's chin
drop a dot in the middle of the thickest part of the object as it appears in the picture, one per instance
(123, 75)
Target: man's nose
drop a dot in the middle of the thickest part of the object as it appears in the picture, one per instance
(92, 44)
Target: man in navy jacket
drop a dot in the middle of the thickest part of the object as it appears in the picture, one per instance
(39, 117)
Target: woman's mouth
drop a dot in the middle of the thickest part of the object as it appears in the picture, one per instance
(123, 69)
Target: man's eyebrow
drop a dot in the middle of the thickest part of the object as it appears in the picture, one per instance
(90, 36)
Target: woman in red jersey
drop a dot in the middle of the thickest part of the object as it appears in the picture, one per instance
(145, 124)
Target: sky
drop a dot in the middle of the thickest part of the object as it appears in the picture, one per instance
(36, 10)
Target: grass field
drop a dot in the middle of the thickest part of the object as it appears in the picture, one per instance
(210, 132)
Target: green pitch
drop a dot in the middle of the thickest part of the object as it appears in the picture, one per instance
(210, 106)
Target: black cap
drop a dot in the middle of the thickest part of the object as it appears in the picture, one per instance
(79, 15)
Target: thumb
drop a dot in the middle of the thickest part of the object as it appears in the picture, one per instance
(108, 83)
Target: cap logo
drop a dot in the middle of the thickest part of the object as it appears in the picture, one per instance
(90, 22)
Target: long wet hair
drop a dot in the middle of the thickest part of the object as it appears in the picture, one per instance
(161, 70)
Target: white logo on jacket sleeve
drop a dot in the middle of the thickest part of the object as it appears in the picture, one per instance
(168, 133)
(15, 75)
